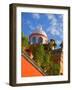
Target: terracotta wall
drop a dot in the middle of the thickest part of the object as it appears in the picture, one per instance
(27, 69)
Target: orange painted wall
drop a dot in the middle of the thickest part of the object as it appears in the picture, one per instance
(27, 69)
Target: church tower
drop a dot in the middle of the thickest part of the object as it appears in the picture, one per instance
(38, 36)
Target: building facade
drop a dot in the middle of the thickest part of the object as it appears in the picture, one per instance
(58, 58)
(38, 36)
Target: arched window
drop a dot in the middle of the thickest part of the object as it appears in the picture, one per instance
(40, 40)
(34, 40)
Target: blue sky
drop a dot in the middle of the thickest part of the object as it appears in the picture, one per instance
(52, 24)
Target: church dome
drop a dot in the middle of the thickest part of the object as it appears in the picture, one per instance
(38, 36)
(39, 30)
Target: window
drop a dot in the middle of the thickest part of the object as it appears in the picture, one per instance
(34, 40)
(40, 40)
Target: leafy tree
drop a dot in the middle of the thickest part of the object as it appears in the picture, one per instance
(22, 34)
(49, 66)
(24, 41)
(38, 53)
(45, 62)
(49, 63)
(55, 67)
(45, 59)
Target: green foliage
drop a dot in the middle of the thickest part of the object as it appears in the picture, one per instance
(47, 64)
(56, 69)
(22, 34)
(38, 53)
(45, 60)
(43, 56)
(24, 41)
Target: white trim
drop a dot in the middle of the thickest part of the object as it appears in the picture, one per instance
(19, 79)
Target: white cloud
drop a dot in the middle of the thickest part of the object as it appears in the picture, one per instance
(56, 27)
(50, 16)
(60, 17)
(54, 22)
(52, 19)
(30, 25)
(36, 15)
(55, 32)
